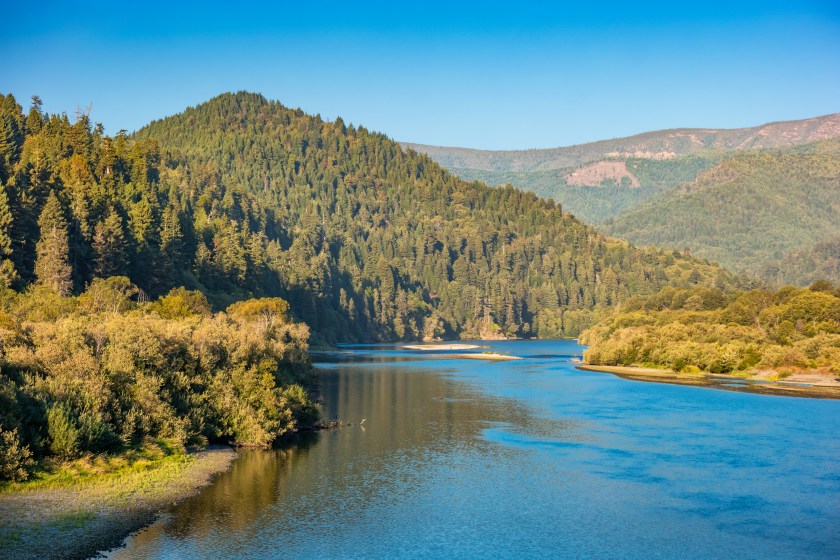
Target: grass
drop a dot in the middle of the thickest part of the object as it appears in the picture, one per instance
(9, 538)
(783, 374)
(103, 468)
(92, 502)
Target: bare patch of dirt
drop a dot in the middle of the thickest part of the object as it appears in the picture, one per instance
(594, 174)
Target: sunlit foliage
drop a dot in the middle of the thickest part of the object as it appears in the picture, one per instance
(102, 372)
(705, 329)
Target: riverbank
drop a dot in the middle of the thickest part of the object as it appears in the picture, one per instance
(808, 385)
(77, 519)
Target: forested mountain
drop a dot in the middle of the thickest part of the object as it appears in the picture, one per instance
(597, 191)
(807, 265)
(243, 197)
(770, 213)
(604, 179)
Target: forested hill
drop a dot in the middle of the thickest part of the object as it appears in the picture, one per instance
(243, 197)
(602, 180)
(772, 213)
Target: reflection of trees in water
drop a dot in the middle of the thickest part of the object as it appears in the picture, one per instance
(415, 421)
(241, 494)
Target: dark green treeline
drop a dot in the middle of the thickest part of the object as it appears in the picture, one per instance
(242, 197)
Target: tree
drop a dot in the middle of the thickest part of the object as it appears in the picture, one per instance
(52, 266)
(266, 311)
(64, 435)
(15, 458)
(8, 275)
(180, 303)
(109, 246)
(34, 120)
(109, 294)
(171, 237)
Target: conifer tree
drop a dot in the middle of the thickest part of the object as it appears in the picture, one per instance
(52, 265)
(34, 120)
(171, 237)
(7, 269)
(11, 135)
(109, 246)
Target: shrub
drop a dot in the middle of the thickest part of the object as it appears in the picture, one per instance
(15, 459)
(64, 435)
(180, 303)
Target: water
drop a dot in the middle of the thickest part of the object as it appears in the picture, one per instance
(523, 459)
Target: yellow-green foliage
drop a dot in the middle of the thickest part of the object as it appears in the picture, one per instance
(705, 329)
(102, 372)
(151, 454)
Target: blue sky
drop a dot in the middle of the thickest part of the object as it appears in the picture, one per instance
(496, 75)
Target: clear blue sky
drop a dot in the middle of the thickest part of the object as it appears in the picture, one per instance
(488, 75)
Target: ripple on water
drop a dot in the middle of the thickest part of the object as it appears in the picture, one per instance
(529, 459)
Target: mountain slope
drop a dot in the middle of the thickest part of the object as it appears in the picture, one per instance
(749, 211)
(807, 265)
(660, 144)
(615, 184)
(372, 241)
(600, 180)
(242, 197)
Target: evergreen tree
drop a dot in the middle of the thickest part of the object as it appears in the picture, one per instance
(109, 247)
(35, 119)
(52, 267)
(8, 275)
(171, 237)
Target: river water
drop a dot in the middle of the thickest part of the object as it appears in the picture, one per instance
(522, 459)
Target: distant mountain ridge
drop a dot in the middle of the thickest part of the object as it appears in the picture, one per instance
(657, 145)
(762, 200)
(773, 213)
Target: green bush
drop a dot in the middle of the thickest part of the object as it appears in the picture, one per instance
(100, 372)
(64, 435)
(744, 331)
(15, 459)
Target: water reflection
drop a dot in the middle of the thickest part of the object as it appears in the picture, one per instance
(451, 458)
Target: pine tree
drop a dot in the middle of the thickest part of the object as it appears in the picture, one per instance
(8, 275)
(109, 246)
(34, 120)
(52, 265)
(171, 237)
(11, 135)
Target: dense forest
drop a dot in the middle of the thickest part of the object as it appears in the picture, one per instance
(768, 213)
(242, 197)
(369, 241)
(101, 372)
(704, 329)
(598, 203)
(807, 265)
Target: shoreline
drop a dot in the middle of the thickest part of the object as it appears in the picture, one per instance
(91, 517)
(723, 382)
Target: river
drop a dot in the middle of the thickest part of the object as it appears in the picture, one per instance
(453, 458)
